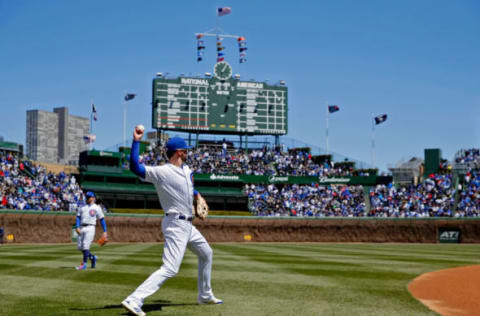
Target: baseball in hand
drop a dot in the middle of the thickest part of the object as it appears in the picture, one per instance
(140, 128)
(138, 133)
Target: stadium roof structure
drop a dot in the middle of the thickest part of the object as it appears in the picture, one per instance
(413, 163)
(10, 146)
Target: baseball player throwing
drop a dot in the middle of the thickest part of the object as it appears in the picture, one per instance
(173, 182)
(86, 219)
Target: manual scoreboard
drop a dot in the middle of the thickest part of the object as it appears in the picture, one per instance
(219, 104)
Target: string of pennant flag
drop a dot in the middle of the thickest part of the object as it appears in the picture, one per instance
(220, 50)
(242, 49)
(220, 47)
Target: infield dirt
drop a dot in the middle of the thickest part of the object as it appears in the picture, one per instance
(450, 292)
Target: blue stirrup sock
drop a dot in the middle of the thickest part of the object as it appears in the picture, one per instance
(86, 255)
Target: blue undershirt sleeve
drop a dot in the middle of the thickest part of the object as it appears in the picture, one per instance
(104, 225)
(135, 166)
(78, 222)
(195, 192)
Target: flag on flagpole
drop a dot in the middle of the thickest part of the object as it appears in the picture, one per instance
(242, 47)
(380, 119)
(94, 112)
(129, 96)
(333, 108)
(224, 11)
(89, 138)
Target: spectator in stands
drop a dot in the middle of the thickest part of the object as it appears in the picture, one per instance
(469, 158)
(306, 200)
(468, 155)
(265, 161)
(24, 186)
(434, 197)
(469, 202)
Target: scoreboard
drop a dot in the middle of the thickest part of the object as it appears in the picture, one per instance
(219, 104)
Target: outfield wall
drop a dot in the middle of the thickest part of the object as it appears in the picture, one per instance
(56, 227)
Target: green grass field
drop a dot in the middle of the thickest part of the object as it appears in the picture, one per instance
(252, 279)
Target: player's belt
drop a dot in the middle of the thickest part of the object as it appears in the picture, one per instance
(182, 217)
(83, 225)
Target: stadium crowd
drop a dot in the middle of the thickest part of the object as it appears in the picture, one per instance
(434, 197)
(25, 186)
(265, 161)
(306, 200)
(468, 155)
(469, 201)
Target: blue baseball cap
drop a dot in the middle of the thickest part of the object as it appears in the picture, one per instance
(176, 143)
(90, 194)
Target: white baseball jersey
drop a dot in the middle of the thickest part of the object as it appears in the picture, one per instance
(89, 214)
(174, 187)
(175, 191)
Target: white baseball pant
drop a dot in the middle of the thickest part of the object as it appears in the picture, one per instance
(87, 233)
(179, 234)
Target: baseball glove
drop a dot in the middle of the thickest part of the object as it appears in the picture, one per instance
(102, 240)
(201, 208)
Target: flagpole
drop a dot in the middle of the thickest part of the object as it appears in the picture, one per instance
(91, 117)
(217, 21)
(124, 122)
(373, 140)
(326, 127)
(90, 146)
(91, 125)
(217, 30)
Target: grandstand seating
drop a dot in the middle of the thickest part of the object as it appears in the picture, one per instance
(26, 185)
(265, 161)
(434, 197)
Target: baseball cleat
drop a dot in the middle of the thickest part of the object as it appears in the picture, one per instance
(83, 266)
(133, 308)
(212, 300)
(94, 262)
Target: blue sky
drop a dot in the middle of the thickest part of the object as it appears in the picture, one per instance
(417, 61)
